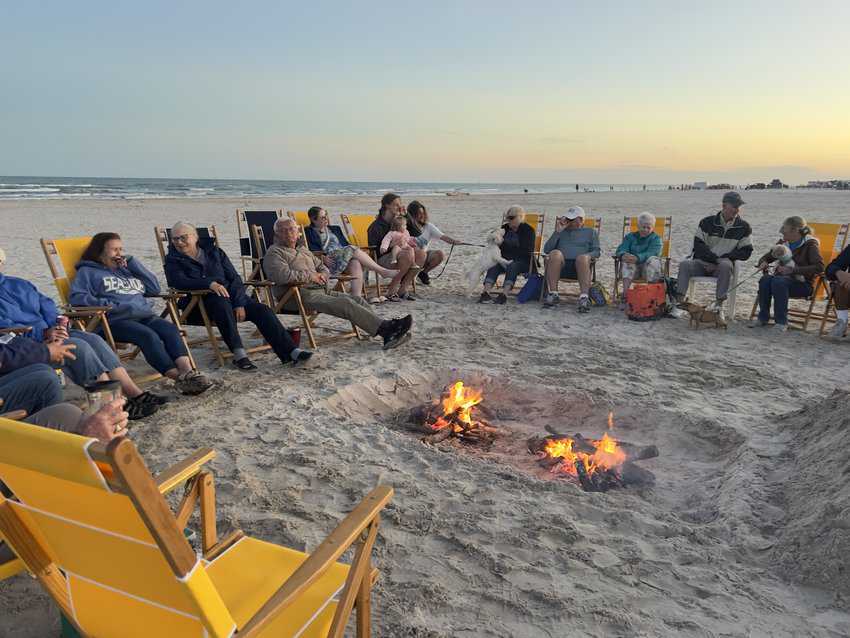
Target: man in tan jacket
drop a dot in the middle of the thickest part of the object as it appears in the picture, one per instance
(286, 264)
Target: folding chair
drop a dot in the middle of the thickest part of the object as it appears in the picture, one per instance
(163, 241)
(249, 251)
(62, 257)
(664, 229)
(294, 292)
(733, 288)
(590, 222)
(356, 228)
(92, 525)
(832, 239)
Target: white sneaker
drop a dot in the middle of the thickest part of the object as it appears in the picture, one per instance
(721, 315)
(780, 328)
(551, 300)
(676, 312)
(838, 329)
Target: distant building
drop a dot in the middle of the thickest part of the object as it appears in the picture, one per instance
(700, 186)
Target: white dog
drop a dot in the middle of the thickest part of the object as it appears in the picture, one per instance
(489, 257)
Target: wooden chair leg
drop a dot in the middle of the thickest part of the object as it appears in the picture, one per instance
(364, 609)
(171, 309)
(358, 573)
(211, 332)
(305, 319)
(206, 491)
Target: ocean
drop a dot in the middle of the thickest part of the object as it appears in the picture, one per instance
(143, 188)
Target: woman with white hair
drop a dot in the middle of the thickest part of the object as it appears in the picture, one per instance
(517, 247)
(198, 264)
(639, 253)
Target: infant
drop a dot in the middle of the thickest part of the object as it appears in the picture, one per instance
(782, 254)
(397, 239)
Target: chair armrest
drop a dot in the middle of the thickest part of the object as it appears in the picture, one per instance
(263, 283)
(174, 294)
(318, 562)
(342, 277)
(84, 314)
(181, 472)
(88, 309)
(14, 415)
(16, 330)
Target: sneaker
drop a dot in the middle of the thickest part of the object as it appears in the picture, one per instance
(424, 278)
(721, 316)
(501, 299)
(137, 408)
(584, 304)
(407, 296)
(302, 357)
(393, 297)
(757, 323)
(780, 328)
(676, 312)
(245, 364)
(397, 337)
(485, 298)
(551, 300)
(193, 383)
(838, 329)
(156, 399)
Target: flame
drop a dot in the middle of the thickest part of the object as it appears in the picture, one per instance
(607, 455)
(459, 402)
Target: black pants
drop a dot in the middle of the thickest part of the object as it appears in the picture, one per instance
(220, 311)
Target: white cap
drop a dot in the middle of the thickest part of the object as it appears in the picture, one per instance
(574, 212)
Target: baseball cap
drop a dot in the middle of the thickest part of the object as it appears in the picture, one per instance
(574, 212)
(733, 198)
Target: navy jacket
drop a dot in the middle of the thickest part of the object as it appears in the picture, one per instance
(314, 243)
(842, 262)
(184, 273)
(21, 352)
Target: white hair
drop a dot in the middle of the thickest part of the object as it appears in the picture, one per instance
(517, 211)
(281, 221)
(646, 217)
(186, 225)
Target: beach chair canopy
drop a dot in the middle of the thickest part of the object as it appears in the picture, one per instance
(92, 525)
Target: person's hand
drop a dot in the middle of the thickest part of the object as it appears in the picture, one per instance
(219, 289)
(121, 261)
(629, 258)
(560, 224)
(784, 270)
(110, 422)
(762, 265)
(240, 314)
(56, 334)
(843, 278)
(319, 278)
(327, 261)
(61, 351)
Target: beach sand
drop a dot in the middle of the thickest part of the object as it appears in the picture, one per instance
(745, 532)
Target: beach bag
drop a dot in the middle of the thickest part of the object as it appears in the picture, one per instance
(646, 302)
(598, 294)
(532, 288)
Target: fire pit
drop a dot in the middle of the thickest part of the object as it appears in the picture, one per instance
(455, 415)
(597, 464)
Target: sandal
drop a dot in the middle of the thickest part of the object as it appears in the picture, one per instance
(245, 364)
(394, 297)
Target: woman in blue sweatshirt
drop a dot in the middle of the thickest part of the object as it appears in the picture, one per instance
(640, 253)
(106, 277)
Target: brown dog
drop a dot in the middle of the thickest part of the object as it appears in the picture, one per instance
(701, 315)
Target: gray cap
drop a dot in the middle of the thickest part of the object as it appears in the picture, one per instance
(733, 198)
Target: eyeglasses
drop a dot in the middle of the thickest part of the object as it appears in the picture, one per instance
(509, 217)
(180, 239)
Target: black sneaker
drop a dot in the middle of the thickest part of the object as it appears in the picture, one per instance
(136, 408)
(501, 299)
(396, 338)
(424, 278)
(156, 399)
(485, 298)
(245, 364)
(302, 357)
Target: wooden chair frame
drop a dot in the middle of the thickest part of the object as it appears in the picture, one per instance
(126, 473)
(821, 290)
(197, 297)
(590, 222)
(294, 292)
(88, 318)
(630, 226)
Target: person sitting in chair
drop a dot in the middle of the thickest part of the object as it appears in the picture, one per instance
(518, 248)
(407, 262)
(338, 255)
(198, 264)
(424, 232)
(106, 277)
(838, 274)
(286, 263)
(639, 254)
(570, 252)
(720, 241)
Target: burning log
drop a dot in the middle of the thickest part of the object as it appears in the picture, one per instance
(452, 417)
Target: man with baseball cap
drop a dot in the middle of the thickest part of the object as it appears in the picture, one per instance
(570, 252)
(720, 241)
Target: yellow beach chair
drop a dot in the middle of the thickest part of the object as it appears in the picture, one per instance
(92, 525)
(62, 257)
(664, 229)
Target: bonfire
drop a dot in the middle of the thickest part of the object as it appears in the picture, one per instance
(454, 415)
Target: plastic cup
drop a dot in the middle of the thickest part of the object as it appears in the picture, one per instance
(100, 393)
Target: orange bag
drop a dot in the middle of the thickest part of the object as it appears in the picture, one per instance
(646, 302)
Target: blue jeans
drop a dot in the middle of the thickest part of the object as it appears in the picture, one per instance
(516, 268)
(94, 357)
(159, 340)
(780, 289)
(31, 388)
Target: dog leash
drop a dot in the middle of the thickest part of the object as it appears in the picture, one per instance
(713, 304)
(451, 250)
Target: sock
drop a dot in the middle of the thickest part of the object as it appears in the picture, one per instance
(239, 353)
(842, 314)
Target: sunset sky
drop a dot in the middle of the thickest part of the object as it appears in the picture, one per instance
(654, 92)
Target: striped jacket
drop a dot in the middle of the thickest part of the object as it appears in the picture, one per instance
(716, 239)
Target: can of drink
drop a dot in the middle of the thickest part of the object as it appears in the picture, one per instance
(295, 333)
(63, 322)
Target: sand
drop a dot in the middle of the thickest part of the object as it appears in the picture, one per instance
(745, 532)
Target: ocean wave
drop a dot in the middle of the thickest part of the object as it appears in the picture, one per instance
(37, 189)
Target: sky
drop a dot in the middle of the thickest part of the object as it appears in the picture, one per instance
(594, 92)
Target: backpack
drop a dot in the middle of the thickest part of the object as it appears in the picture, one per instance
(598, 294)
(532, 288)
